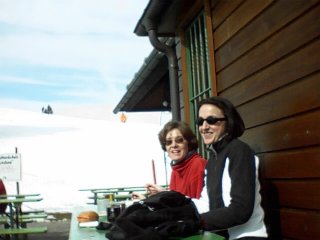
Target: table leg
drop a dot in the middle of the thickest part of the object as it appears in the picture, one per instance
(17, 215)
(11, 217)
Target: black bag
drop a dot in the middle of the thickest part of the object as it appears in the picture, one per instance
(166, 214)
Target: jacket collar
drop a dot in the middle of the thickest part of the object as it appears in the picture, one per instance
(219, 145)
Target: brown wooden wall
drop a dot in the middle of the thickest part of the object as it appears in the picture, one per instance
(267, 56)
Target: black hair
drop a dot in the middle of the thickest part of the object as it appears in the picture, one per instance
(234, 123)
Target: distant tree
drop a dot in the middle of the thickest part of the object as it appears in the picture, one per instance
(47, 110)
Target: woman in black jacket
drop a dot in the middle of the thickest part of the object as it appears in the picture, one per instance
(232, 173)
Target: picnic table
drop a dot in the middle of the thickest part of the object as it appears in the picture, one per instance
(15, 220)
(119, 193)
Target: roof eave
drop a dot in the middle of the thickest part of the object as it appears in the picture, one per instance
(159, 14)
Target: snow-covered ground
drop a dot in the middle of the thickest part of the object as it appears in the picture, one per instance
(61, 154)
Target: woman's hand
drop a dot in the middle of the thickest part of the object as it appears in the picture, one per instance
(137, 196)
(154, 189)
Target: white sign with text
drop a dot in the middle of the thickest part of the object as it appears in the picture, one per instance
(10, 167)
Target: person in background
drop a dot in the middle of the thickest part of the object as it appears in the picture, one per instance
(232, 181)
(187, 176)
(2, 192)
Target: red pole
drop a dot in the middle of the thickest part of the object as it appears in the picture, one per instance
(154, 172)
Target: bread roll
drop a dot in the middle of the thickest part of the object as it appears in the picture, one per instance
(88, 216)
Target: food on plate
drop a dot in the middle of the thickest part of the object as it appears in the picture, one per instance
(87, 216)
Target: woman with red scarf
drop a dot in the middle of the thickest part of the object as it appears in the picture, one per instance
(187, 176)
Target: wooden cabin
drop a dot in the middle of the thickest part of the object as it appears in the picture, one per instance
(264, 56)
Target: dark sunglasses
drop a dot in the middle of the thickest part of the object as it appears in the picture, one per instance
(178, 140)
(210, 120)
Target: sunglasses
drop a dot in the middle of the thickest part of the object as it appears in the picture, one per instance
(210, 120)
(178, 140)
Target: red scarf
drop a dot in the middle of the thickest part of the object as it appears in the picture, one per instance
(187, 176)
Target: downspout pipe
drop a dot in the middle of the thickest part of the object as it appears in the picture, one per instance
(150, 23)
(173, 72)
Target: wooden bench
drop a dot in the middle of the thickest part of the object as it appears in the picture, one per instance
(23, 220)
(25, 216)
(33, 211)
(20, 231)
(6, 221)
(15, 220)
(33, 216)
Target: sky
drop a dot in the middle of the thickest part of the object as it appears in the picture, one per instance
(66, 53)
(77, 56)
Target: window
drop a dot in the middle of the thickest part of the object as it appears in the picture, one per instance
(198, 65)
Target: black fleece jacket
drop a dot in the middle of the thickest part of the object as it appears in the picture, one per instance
(242, 176)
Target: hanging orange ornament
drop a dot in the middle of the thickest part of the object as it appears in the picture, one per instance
(123, 118)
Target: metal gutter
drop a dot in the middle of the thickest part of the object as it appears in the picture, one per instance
(150, 22)
(173, 73)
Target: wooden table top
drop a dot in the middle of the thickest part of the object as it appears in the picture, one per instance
(19, 200)
(78, 233)
(19, 195)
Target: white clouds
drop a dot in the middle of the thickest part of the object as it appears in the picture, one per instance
(74, 51)
(92, 35)
(24, 80)
(74, 16)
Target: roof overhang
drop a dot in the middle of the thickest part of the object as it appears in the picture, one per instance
(160, 15)
(150, 89)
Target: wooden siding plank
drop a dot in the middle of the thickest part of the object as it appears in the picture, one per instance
(276, 47)
(239, 18)
(270, 21)
(298, 194)
(300, 96)
(294, 224)
(295, 66)
(222, 10)
(295, 132)
(300, 225)
(302, 163)
(210, 41)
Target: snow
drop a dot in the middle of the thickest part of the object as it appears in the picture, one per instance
(61, 154)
